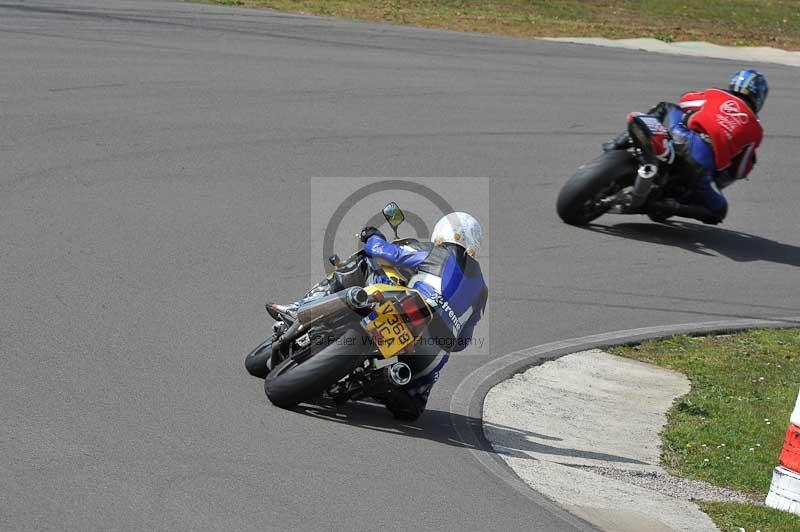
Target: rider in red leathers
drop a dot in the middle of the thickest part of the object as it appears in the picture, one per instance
(713, 135)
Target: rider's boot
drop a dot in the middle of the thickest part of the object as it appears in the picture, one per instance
(670, 207)
(620, 142)
(321, 290)
(403, 406)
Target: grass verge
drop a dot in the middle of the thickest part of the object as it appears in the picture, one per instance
(729, 429)
(739, 22)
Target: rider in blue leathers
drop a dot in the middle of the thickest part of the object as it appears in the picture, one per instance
(446, 273)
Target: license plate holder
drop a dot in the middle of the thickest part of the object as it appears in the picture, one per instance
(390, 332)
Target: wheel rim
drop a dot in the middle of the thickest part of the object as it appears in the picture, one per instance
(592, 208)
(296, 360)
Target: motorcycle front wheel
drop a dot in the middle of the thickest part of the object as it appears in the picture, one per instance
(299, 379)
(578, 201)
(256, 361)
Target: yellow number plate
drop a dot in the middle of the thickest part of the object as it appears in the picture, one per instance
(390, 331)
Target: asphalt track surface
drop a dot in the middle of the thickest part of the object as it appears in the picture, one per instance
(153, 192)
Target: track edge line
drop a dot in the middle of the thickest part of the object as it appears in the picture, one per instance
(467, 400)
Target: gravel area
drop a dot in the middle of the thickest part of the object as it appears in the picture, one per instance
(676, 487)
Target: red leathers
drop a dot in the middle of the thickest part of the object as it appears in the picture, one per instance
(729, 122)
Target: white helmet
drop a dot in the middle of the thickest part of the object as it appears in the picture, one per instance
(459, 228)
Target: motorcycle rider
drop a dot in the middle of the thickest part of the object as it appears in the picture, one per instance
(713, 135)
(447, 274)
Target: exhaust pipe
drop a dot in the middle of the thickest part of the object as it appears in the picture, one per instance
(399, 374)
(356, 298)
(644, 182)
(353, 298)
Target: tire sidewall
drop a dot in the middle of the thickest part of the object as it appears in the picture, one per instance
(616, 166)
(290, 383)
(256, 361)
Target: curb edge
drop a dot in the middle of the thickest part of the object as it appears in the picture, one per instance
(467, 400)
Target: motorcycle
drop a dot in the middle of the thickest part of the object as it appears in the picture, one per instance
(625, 179)
(345, 338)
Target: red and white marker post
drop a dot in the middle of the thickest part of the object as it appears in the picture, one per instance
(784, 492)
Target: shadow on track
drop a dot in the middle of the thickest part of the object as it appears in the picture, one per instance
(705, 240)
(437, 426)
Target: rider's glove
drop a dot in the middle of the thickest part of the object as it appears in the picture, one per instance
(662, 109)
(369, 231)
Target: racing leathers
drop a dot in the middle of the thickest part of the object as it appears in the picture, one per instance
(715, 135)
(452, 283)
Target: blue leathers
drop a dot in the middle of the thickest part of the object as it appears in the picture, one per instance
(698, 154)
(449, 279)
(452, 283)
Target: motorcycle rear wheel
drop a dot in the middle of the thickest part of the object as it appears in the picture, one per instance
(659, 218)
(299, 379)
(577, 202)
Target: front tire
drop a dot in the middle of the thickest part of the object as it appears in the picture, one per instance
(256, 361)
(604, 176)
(299, 379)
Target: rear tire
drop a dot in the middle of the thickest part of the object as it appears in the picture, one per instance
(292, 382)
(605, 175)
(659, 218)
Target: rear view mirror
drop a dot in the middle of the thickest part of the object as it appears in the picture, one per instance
(394, 215)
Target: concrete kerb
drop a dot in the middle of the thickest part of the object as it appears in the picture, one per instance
(757, 54)
(466, 405)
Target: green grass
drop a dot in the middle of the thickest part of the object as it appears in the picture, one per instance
(740, 22)
(729, 429)
(730, 517)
